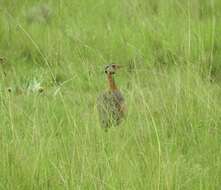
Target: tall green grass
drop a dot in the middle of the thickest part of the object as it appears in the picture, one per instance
(170, 138)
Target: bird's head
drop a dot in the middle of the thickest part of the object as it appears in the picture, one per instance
(112, 68)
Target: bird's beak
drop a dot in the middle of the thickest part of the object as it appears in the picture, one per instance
(120, 66)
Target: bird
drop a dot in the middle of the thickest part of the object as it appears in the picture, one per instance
(111, 104)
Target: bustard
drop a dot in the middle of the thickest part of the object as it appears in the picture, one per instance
(110, 104)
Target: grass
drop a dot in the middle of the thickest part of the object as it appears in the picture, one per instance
(170, 138)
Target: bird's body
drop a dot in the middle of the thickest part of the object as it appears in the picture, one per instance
(110, 104)
(111, 108)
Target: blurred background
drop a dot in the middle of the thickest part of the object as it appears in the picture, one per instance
(52, 58)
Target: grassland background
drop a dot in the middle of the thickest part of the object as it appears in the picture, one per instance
(171, 82)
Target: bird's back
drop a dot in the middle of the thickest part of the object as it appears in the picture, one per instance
(110, 107)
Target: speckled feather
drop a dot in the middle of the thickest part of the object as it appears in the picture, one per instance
(110, 107)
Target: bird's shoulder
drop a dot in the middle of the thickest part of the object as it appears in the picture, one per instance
(111, 96)
(118, 95)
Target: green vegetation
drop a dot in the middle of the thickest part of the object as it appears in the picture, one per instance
(171, 137)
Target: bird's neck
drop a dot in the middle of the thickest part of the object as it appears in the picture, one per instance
(111, 83)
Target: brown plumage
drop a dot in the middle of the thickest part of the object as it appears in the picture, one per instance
(110, 104)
